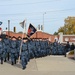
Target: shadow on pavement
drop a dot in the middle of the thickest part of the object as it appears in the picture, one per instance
(18, 64)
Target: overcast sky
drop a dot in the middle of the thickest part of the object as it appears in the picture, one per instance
(33, 10)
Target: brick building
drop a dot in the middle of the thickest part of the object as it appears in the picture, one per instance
(38, 35)
(42, 35)
(65, 38)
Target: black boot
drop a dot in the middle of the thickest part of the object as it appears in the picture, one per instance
(12, 63)
(15, 60)
(23, 68)
(5, 60)
(8, 56)
(1, 60)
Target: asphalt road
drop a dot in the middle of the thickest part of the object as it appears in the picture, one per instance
(50, 65)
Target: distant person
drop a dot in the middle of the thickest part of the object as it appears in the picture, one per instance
(1, 50)
(72, 46)
(24, 53)
(55, 43)
(6, 48)
(19, 42)
(67, 48)
(13, 47)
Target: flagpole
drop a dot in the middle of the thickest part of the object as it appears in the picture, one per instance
(25, 25)
(22, 39)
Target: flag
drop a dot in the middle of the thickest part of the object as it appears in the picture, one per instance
(31, 30)
(0, 23)
(22, 24)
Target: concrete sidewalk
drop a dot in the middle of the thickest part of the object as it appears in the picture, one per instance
(50, 65)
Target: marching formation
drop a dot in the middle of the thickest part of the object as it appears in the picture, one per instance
(13, 48)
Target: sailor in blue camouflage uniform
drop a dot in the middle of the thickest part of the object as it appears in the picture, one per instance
(47, 46)
(6, 48)
(24, 53)
(34, 45)
(31, 48)
(19, 42)
(38, 52)
(60, 50)
(55, 47)
(48, 49)
(1, 49)
(42, 46)
(67, 48)
(51, 48)
(13, 47)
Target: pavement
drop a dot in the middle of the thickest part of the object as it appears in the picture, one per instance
(49, 65)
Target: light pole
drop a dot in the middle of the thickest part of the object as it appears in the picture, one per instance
(8, 27)
(43, 20)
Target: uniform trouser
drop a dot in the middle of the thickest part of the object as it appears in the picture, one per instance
(26, 56)
(65, 53)
(48, 51)
(4, 56)
(23, 62)
(43, 52)
(39, 53)
(17, 55)
(36, 54)
(1, 58)
(8, 55)
(13, 58)
(31, 54)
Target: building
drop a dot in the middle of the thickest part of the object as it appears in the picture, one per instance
(38, 35)
(65, 38)
(42, 35)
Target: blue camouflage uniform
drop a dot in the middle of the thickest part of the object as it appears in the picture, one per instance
(31, 49)
(23, 60)
(19, 41)
(14, 55)
(1, 51)
(6, 48)
(60, 51)
(24, 54)
(67, 48)
(48, 50)
(55, 48)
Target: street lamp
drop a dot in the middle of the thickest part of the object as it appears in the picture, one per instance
(43, 20)
(8, 27)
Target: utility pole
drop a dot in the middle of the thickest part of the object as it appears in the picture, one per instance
(8, 27)
(43, 20)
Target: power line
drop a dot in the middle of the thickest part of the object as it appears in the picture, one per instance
(62, 10)
(34, 13)
(4, 0)
(16, 19)
(37, 20)
(31, 3)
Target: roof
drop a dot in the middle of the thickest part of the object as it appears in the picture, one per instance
(37, 34)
